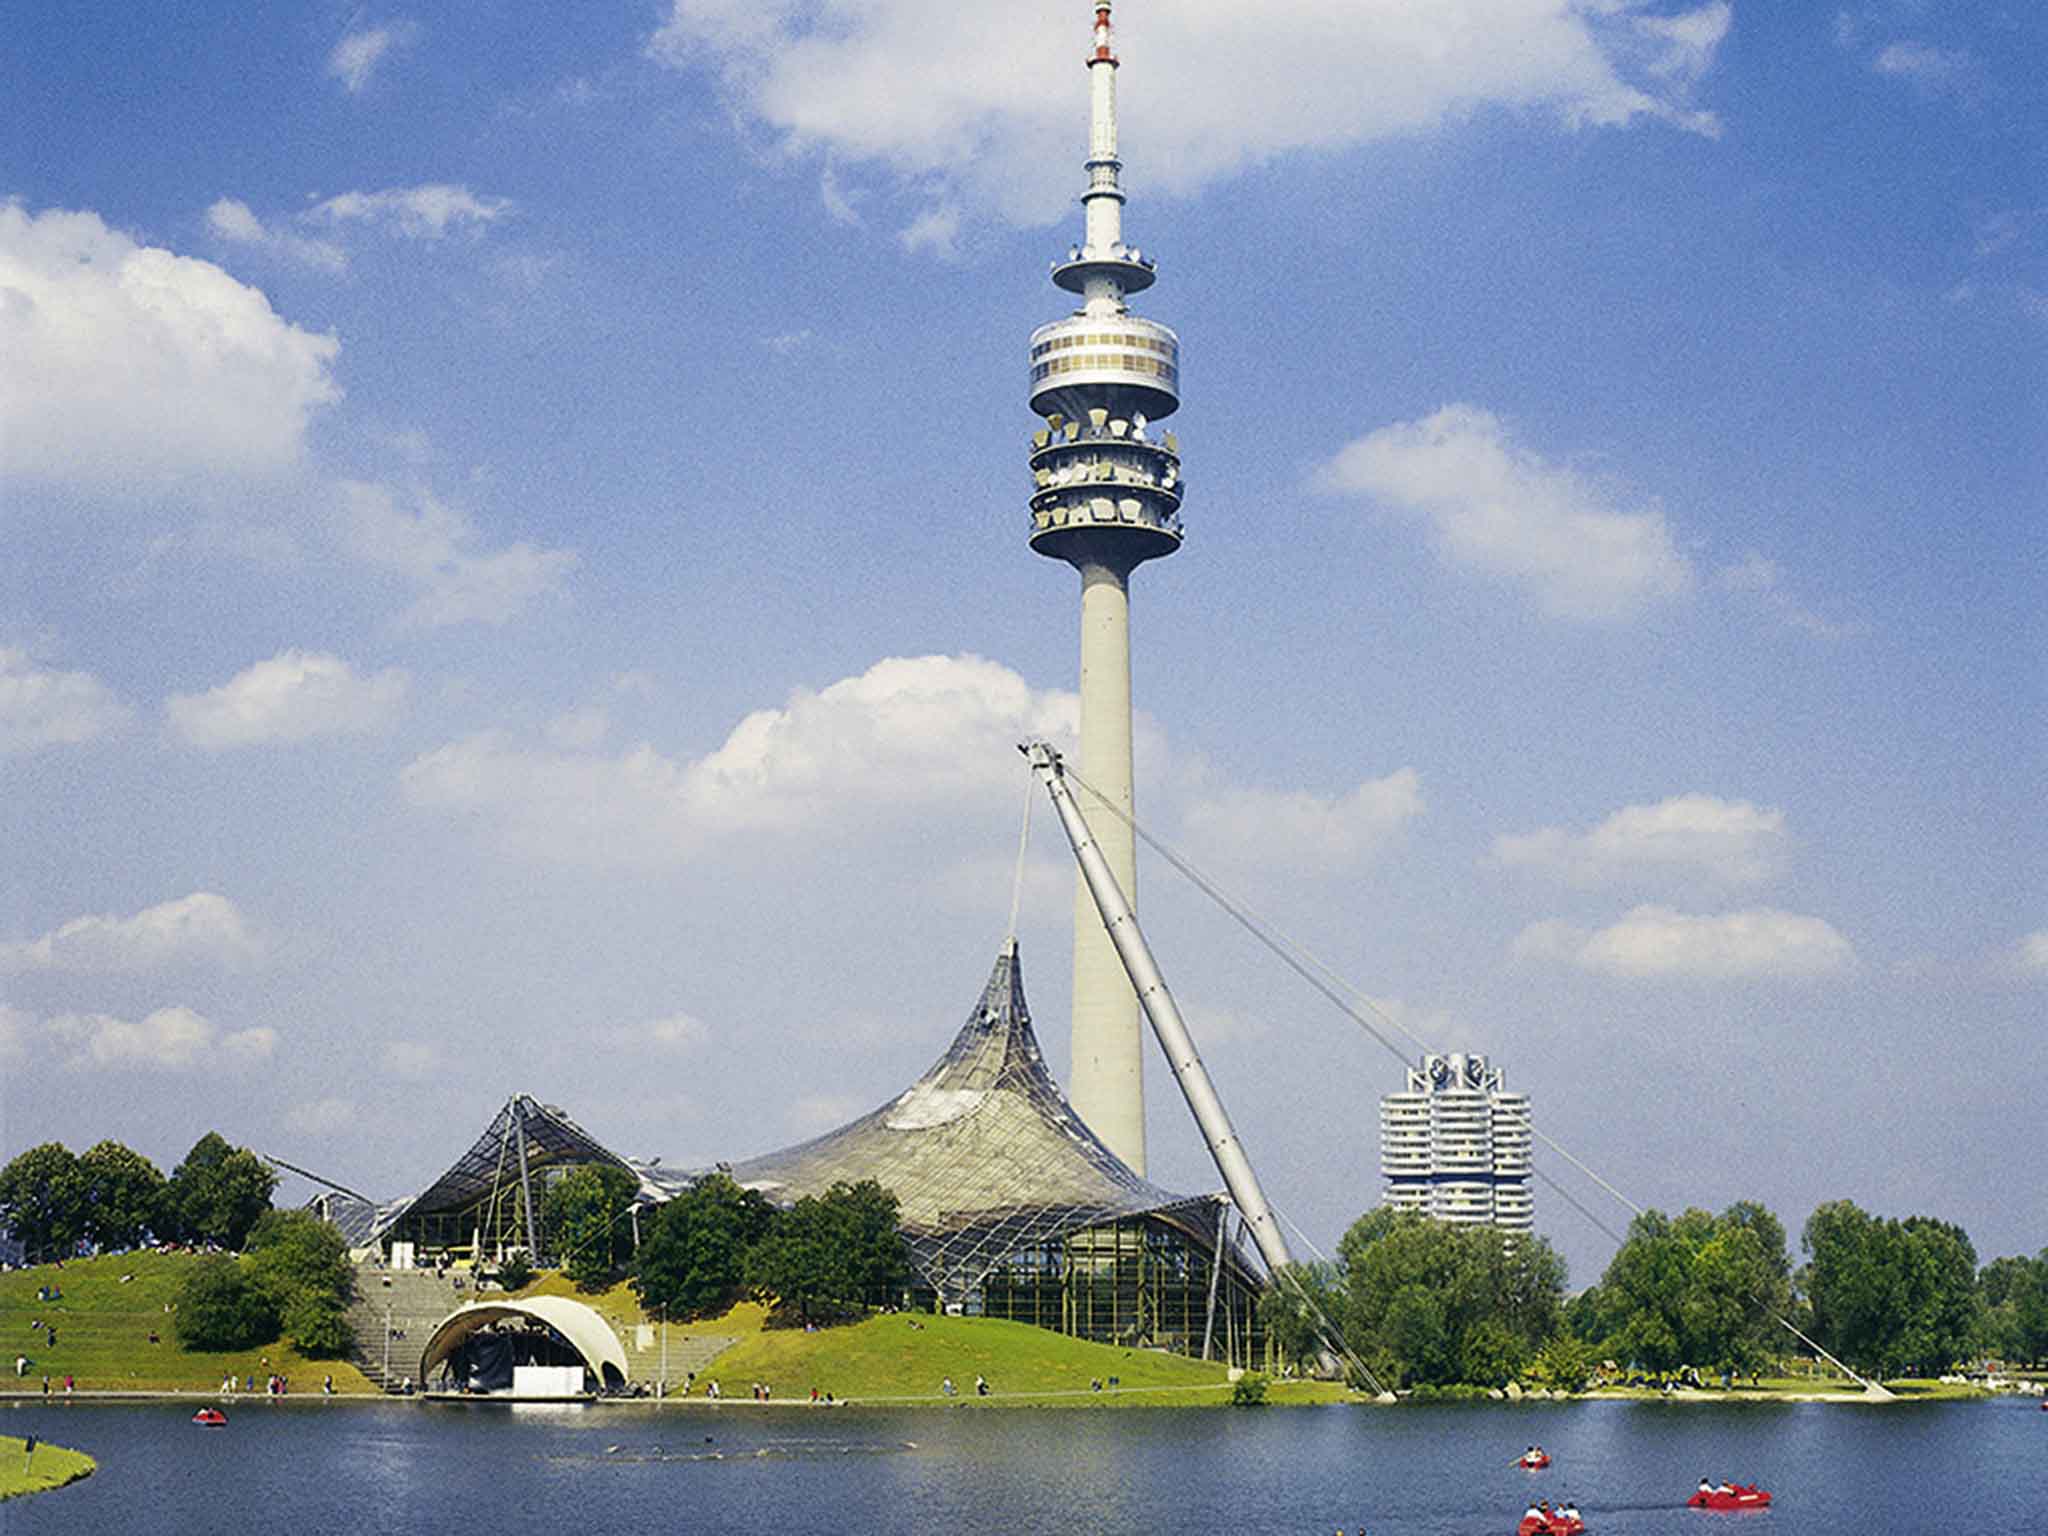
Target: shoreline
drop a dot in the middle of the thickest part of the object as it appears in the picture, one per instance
(1127, 1397)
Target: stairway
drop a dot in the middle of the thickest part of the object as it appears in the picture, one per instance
(688, 1352)
(410, 1302)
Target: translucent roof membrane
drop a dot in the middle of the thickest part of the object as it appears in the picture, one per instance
(550, 1137)
(983, 1153)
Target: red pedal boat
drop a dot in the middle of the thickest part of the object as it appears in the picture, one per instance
(212, 1418)
(1533, 1462)
(1553, 1524)
(1738, 1496)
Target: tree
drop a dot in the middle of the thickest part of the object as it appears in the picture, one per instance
(43, 1201)
(217, 1193)
(1491, 1354)
(584, 1217)
(1565, 1364)
(300, 1264)
(2028, 1339)
(1947, 1314)
(866, 1216)
(831, 1254)
(124, 1195)
(293, 1252)
(693, 1253)
(1887, 1294)
(220, 1306)
(1420, 1291)
(1294, 1307)
(1695, 1290)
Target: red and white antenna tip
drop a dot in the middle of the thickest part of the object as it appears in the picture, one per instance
(1102, 40)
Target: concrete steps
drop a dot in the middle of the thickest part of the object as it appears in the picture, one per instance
(394, 1313)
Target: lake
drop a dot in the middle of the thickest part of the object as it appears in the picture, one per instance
(1434, 1470)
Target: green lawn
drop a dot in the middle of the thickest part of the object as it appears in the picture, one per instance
(901, 1358)
(103, 1323)
(51, 1467)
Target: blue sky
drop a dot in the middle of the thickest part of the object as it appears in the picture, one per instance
(515, 574)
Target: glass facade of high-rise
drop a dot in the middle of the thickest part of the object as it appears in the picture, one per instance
(1454, 1145)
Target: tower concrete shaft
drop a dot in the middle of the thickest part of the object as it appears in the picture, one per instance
(1106, 498)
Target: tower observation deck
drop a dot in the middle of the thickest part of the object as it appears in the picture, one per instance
(1106, 498)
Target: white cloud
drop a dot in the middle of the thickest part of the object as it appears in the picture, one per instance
(293, 696)
(921, 737)
(44, 708)
(15, 1025)
(841, 204)
(2033, 951)
(937, 230)
(1500, 509)
(787, 343)
(413, 1061)
(815, 1113)
(1729, 841)
(910, 733)
(237, 222)
(128, 366)
(320, 1117)
(974, 93)
(580, 730)
(1926, 66)
(1685, 44)
(201, 927)
(425, 212)
(174, 1038)
(356, 57)
(1302, 831)
(432, 546)
(1652, 941)
(1761, 579)
(676, 1032)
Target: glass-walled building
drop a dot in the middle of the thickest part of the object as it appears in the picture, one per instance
(1013, 1208)
(1010, 1205)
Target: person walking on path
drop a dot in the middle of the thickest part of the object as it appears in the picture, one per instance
(29, 1459)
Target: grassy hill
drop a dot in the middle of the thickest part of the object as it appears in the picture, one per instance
(108, 1310)
(52, 1467)
(904, 1359)
(111, 1305)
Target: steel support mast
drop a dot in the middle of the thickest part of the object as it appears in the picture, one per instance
(1182, 1059)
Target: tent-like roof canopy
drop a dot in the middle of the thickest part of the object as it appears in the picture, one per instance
(550, 1136)
(582, 1327)
(983, 1153)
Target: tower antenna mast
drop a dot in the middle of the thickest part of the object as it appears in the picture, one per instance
(1106, 498)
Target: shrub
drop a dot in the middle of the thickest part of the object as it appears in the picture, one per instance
(317, 1328)
(515, 1270)
(1248, 1391)
(221, 1307)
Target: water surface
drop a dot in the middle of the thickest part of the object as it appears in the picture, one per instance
(401, 1468)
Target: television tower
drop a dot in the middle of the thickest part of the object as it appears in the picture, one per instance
(1106, 498)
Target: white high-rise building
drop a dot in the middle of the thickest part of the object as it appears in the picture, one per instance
(1106, 498)
(1455, 1145)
